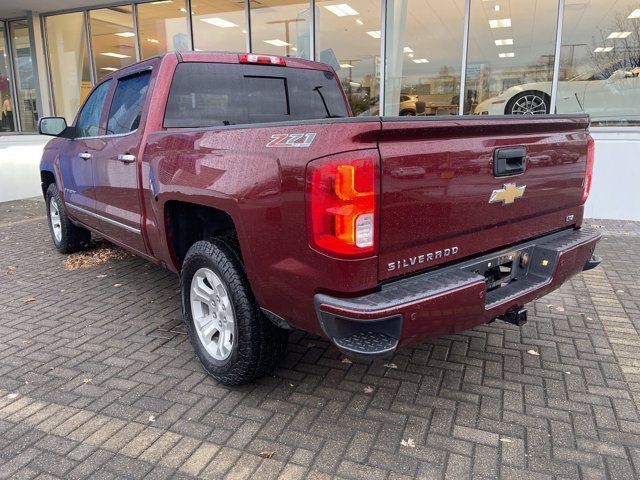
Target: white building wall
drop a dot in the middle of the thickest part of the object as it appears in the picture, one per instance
(19, 166)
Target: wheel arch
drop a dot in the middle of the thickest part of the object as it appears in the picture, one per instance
(46, 178)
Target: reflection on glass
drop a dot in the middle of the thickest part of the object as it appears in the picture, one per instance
(219, 25)
(68, 62)
(510, 58)
(7, 123)
(281, 27)
(25, 82)
(600, 62)
(112, 39)
(424, 54)
(162, 26)
(343, 42)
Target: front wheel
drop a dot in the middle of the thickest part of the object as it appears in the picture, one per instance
(230, 335)
(529, 103)
(67, 237)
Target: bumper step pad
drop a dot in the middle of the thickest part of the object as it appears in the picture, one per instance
(366, 344)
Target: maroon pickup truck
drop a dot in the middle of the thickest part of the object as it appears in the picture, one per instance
(247, 175)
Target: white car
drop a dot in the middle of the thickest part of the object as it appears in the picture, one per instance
(611, 92)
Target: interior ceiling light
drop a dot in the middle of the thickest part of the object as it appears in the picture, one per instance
(341, 10)
(161, 2)
(374, 33)
(506, 55)
(603, 49)
(504, 41)
(219, 22)
(497, 8)
(346, 65)
(276, 42)
(500, 23)
(359, 21)
(635, 13)
(152, 40)
(126, 34)
(115, 55)
(619, 34)
(109, 69)
(407, 50)
(420, 60)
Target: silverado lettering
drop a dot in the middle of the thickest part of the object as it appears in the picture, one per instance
(320, 235)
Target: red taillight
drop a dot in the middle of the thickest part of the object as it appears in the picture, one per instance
(591, 152)
(263, 59)
(341, 206)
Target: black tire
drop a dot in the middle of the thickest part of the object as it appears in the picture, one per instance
(72, 238)
(509, 109)
(258, 344)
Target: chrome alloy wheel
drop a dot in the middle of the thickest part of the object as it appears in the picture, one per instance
(54, 218)
(212, 313)
(529, 105)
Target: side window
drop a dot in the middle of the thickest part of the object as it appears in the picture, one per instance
(126, 107)
(88, 124)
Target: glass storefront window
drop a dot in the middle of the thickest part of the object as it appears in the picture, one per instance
(281, 27)
(219, 25)
(424, 55)
(25, 80)
(510, 57)
(342, 42)
(112, 39)
(7, 122)
(600, 62)
(162, 27)
(68, 62)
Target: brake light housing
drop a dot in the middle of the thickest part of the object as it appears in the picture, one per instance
(342, 206)
(591, 153)
(262, 59)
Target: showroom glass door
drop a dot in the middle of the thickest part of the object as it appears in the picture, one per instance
(7, 120)
(24, 75)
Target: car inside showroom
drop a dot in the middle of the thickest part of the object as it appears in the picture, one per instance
(393, 57)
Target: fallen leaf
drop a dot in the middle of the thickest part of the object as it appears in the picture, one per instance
(11, 270)
(589, 318)
(117, 285)
(368, 389)
(102, 253)
(152, 418)
(409, 442)
(549, 306)
(29, 300)
(26, 342)
(87, 380)
(505, 440)
(533, 352)
(560, 309)
(267, 454)
(311, 345)
(346, 360)
(11, 396)
(568, 373)
(390, 365)
(101, 276)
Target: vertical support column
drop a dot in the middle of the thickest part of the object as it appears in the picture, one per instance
(247, 13)
(38, 59)
(136, 39)
(87, 34)
(465, 48)
(190, 24)
(556, 60)
(394, 54)
(14, 78)
(383, 56)
(312, 31)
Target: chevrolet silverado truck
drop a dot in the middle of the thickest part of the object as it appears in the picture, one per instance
(247, 175)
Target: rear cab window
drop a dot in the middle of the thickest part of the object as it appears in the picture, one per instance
(216, 94)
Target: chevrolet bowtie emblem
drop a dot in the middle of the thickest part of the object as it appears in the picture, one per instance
(508, 194)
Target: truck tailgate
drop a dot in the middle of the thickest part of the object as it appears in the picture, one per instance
(438, 179)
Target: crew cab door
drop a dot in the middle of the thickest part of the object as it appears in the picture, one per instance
(77, 157)
(116, 167)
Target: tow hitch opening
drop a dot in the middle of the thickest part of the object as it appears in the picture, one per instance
(516, 316)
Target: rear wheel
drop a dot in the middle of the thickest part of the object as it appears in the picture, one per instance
(228, 331)
(67, 237)
(529, 103)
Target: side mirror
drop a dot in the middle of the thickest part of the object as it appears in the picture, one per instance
(54, 126)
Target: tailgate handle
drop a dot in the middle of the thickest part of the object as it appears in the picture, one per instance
(509, 161)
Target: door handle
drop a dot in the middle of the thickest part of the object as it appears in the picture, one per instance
(509, 161)
(126, 158)
(85, 155)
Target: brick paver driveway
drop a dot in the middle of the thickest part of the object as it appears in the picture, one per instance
(98, 380)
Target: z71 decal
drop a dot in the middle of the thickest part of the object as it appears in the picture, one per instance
(291, 140)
